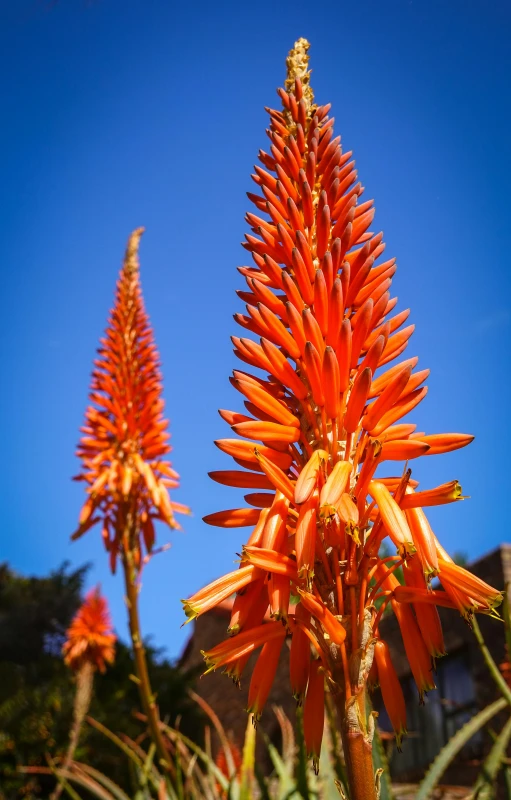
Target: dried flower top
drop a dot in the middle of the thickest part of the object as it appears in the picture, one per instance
(322, 414)
(90, 638)
(125, 440)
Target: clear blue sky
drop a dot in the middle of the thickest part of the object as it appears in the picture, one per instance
(120, 113)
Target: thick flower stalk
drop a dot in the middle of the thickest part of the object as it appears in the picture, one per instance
(89, 646)
(124, 451)
(323, 450)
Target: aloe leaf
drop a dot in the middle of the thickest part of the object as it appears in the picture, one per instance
(507, 781)
(85, 782)
(287, 786)
(327, 773)
(248, 763)
(302, 781)
(336, 749)
(454, 745)
(229, 760)
(380, 762)
(98, 776)
(204, 757)
(506, 615)
(484, 787)
(490, 663)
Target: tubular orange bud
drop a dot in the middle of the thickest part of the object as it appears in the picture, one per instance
(275, 525)
(323, 230)
(270, 405)
(249, 604)
(243, 644)
(422, 597)
(302, 277)
(379, 384)
(321, 301)
(426, 613)
(270, 561)
(241, 479)
(260, 499)
(238, 448)
(312, 330)
(335, 313)
(276, 477)
(446, 493)
(267, 431)
(282, 369)
(357, 400)
(336, 483)
(305, 537)
(318, 609)
(348, 512)
(292, 292)
(331, 383)
(394, 432)
(306, 254)
(233, 518)
(219, 590)
(394, 520)
(403, 406)
(423, 539)
(415, 648)
(360, 324)
(262, 676)
(343, 352)
(373, 355)
(308, 477)
(477, 595)
(300, 655)
(279, 593)
(314, 713)
(387, 399)
(296, 325)
(256, 537)
(277, 332)
(391, 691)
(446, 442)
(312, 364)
(403, 450)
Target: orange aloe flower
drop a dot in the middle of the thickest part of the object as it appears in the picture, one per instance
(323, 413)
(90, 638)
(124, 446)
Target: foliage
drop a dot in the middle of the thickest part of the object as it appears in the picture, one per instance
(37, 689)
(196, 773)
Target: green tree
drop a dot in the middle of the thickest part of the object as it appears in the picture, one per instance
(37, 689)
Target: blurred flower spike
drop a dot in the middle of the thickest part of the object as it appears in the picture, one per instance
(90, 638)
(323, 414)
(125, 441)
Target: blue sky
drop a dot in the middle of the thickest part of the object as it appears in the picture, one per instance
(120, 113)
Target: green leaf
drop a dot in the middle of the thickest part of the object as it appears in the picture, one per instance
(453, 747)
(380, 762)
(101, 778)
(248, 763)
(484, 788)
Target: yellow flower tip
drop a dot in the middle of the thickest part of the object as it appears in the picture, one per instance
(190, 611)
(131, 262)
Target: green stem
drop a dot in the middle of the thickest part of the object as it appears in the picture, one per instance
(83, 696)
(490, 663)
(146, 695)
